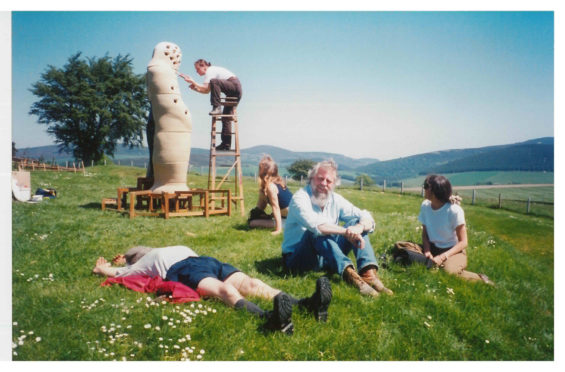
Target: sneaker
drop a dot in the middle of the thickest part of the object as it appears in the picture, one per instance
(223, 147)
(216, 110)
(280, 317)
(321, 299)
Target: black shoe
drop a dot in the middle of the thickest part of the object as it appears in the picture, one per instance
(320, 300)
(216, 110)
(280, 317)
(223, 147)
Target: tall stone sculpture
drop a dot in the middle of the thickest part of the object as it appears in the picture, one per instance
(173, 125)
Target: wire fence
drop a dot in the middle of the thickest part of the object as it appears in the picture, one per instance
(535, 200)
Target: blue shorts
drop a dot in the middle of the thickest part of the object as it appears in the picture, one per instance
(192, 270)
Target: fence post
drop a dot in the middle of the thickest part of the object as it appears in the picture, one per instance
(499, 201)
(423, 192)
(384, 185)
(529, 204)
(301, 179)
(402, 187)
(255, 177)
(92, 163)
(104, 161)
(474, 195)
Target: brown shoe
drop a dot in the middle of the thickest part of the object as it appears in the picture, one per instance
(351, 277)
(370, 277)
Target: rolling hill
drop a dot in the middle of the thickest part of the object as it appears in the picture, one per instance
(532, 155)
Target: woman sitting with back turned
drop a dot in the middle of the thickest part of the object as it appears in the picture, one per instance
(444, 235)
(272, 191)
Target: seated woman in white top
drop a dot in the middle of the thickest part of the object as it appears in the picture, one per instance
(444, 235)
(212, 278)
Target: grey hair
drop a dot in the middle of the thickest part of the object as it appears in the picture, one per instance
(326, 164)
(134, 254)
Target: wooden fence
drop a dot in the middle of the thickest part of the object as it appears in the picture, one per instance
(32, 164)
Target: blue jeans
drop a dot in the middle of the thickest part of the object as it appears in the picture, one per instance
(329, 252)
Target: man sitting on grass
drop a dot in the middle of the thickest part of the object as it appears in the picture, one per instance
(212, 278)
(314, 238)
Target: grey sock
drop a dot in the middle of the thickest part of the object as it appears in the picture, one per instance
(251, 307)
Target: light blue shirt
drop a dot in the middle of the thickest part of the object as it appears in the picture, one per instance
(304, 216)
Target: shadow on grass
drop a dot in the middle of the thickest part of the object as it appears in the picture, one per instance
(242, 227)
(272, 266)
(92, 206)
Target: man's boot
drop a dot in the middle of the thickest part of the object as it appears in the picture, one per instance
(280, 319)
(351, 277)
(319, 302)
(370, 277)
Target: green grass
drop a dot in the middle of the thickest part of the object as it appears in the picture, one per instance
(490, 177)
(54, 295)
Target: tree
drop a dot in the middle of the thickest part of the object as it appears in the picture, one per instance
(92, 105)
(300, 168)
(367, 180)
(14, 149)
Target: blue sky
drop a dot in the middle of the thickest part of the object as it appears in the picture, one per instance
(364, 84)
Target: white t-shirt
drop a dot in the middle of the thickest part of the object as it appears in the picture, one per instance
(157, 261)
(217, 72)
(440, 224)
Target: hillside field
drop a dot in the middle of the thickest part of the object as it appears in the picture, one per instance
(64, 313)
(488, 178)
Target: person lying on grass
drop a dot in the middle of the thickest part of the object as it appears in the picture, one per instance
(444, 235)
(212, 278)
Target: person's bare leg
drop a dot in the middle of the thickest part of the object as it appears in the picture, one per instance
(229, 295)
(253, 287)
(223, 291)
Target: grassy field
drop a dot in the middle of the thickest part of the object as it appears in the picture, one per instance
(491, 177)
(60, 311)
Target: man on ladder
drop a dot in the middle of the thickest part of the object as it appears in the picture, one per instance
(217, 80)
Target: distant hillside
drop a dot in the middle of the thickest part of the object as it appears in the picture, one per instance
(200, 157)
(532, 155)
(536, 154)
(284, 157)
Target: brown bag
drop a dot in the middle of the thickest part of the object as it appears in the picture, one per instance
(409, 252)
(408, 246)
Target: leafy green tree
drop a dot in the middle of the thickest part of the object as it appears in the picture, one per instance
(367, 180)
(300, 168)
(92, 105)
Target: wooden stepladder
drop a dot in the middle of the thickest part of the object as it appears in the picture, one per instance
(237, 194)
